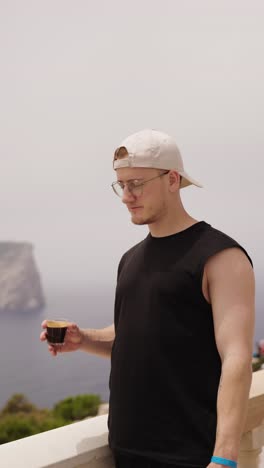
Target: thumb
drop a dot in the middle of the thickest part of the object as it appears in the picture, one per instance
(73, 328)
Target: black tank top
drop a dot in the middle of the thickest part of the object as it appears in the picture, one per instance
(165, 367)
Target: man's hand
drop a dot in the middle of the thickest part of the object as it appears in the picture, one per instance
(72, 341)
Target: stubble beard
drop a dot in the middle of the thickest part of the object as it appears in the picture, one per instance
(143, 221)
(149, 219)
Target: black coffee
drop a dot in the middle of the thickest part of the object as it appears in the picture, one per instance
(56, 331)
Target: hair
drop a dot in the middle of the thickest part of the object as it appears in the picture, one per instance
(120, 153)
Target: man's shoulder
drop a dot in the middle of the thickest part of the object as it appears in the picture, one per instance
(212, 234)
(215, 233)
(134, 248)
(129, 253)
(219, 242)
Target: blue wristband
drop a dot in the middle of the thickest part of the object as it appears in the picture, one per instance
(224, 461)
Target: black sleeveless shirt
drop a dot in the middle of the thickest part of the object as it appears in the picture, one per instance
(165, 367)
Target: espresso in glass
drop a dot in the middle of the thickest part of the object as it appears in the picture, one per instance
(56, 330)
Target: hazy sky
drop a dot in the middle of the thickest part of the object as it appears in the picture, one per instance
(78, 76)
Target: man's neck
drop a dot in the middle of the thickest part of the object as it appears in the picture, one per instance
(169, 227)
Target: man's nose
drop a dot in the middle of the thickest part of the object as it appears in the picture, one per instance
(127, 195)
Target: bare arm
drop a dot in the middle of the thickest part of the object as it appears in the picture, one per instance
(98, 342)
(232, 294)
(92, 341)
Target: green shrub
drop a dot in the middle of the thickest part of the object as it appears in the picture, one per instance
(51, 423)
(13, 427)
(18, 403)
(20, 425)
(19, 418)
(77, 408)
(256, 364)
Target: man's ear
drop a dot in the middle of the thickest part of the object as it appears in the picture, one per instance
(174, 181)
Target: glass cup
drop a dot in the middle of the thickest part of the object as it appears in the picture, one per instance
(56, 331)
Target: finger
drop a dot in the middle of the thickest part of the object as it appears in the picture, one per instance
(58, 348)
(52, 350)
(72, 327)
(72, 330)
(43, 336)
(44, 324)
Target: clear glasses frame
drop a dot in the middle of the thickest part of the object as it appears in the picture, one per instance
(135, 187)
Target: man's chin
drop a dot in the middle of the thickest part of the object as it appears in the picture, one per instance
(138, 221)
(142, 221)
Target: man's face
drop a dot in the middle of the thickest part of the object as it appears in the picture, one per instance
(148, 204)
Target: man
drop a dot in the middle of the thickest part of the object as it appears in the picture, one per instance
(181, 343)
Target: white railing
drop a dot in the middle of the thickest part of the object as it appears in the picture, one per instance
(253, 438)
(78, 445)
(84, 444)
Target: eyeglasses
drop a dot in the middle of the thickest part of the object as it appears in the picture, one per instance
(135, 187)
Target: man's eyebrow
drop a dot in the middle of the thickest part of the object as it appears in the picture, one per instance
(131, 180)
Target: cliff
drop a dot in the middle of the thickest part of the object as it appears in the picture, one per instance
(20, 284)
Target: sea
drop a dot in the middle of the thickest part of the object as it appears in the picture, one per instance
(27, 367)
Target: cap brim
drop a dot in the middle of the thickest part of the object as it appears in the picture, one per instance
(187, 180)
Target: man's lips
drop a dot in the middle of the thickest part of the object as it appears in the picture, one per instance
(134, 208)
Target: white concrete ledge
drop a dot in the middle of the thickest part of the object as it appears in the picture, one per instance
(74, 446)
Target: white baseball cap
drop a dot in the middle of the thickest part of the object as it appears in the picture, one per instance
(153, 149)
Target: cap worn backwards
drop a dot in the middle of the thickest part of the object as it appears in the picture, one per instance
(152, 149)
